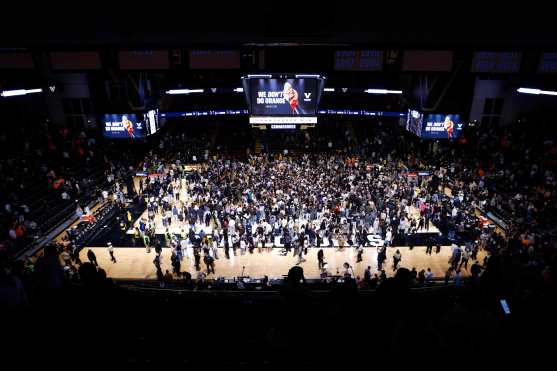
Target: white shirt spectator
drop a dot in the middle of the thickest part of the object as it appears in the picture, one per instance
(388, 236)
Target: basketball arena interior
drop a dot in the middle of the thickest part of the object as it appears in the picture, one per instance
(277, 198)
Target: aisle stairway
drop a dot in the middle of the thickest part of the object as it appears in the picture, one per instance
(258, 147)
(258, 140)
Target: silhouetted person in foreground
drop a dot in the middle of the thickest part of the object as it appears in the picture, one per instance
(49, 272)
(294, 290)
(12, 293)
(92, 257)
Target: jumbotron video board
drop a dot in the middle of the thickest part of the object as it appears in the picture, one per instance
(434, 126)
(130, 126)
(283, 99)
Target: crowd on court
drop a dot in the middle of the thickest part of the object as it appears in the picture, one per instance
(341, 197)
(317, 200)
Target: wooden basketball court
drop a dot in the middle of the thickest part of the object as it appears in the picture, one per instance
(136, 263)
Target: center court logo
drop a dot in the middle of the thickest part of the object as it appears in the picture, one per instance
(308, 97)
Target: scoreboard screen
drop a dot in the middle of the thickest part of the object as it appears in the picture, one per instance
(414, 122)
(441, 126)
(123, 126)
(274, 97)
(283, 99)
(152, 121)
(359, 60)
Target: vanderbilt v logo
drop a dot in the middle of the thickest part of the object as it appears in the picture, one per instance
(308, 95)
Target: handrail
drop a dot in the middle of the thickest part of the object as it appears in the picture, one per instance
(271, 289)
(35, 246)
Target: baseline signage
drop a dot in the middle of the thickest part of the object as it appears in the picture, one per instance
(283, 120)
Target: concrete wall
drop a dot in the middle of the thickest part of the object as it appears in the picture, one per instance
(513, 103)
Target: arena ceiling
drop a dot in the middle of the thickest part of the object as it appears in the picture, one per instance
(276, 24)
(86, 36)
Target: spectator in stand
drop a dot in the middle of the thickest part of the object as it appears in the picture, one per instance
(457, 278)
(428, 276)
(475, 271)
(168, 277)
(160, 277)
(374, 282)
(448, 275)
(367, 275)
(382, 277)
(66, 257)
(421, 278)
(48, 269)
